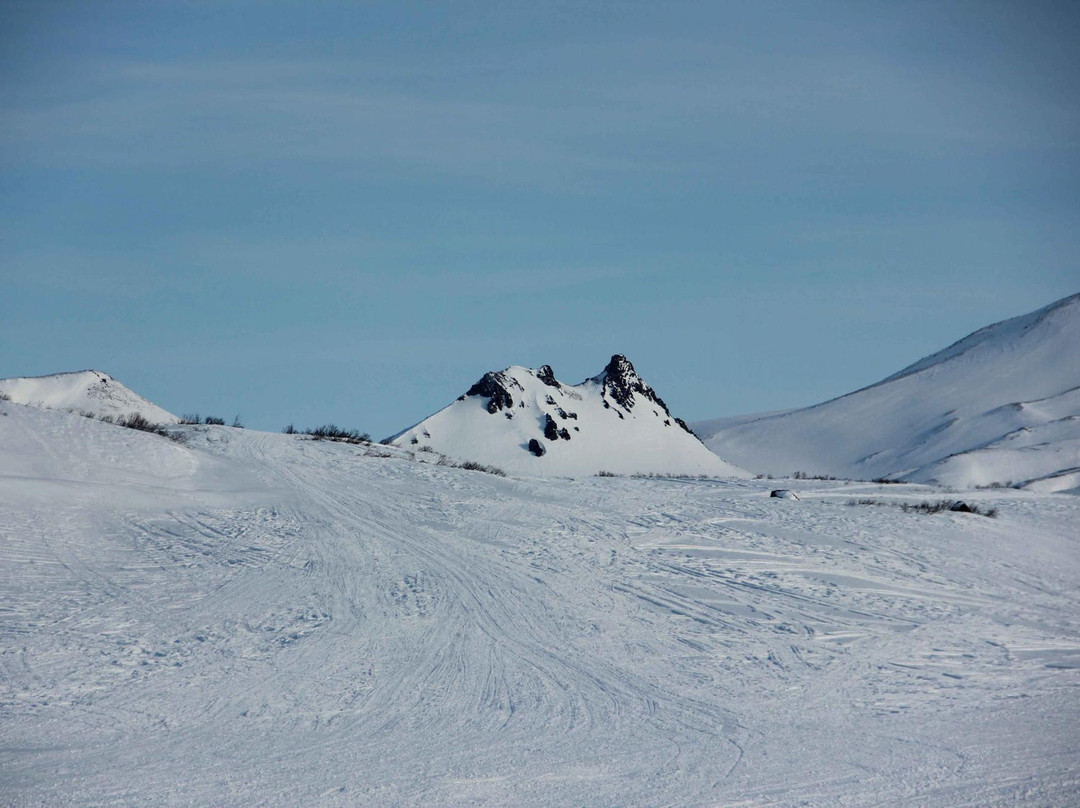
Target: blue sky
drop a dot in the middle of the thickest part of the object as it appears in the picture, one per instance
(348, 212)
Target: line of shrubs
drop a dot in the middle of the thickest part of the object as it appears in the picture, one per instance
(653, 475)
(139, 422)
(210, 420)
(940, 506)
(354, 436)
(330, 432)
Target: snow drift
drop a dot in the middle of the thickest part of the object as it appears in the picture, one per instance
(1001, 406)
(526, 421)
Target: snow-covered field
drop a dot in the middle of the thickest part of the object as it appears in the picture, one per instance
(266, 619)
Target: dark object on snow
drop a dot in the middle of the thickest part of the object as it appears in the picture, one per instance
(496, 387)
(547, 376)
(783, 493)
(961, 507)
(551, 429)
(537, 448)
(621, 382)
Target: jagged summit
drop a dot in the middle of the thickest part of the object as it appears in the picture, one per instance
(527, 421)
(83, 391)
(620, 383)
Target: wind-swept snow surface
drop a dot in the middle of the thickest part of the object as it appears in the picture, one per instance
(262, 619)
(88, 391)
(526, 421)
(1000, 406)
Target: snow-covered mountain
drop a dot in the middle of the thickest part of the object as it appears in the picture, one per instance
(83, 391)
(1000, 406)
(526, 421)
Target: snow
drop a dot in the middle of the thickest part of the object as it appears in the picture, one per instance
(89, 391)
(1000, 406)
(257, 618)
(601, 433)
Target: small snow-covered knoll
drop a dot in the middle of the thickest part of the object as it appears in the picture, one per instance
(84, 391)
(526, 421)
(1001, 406)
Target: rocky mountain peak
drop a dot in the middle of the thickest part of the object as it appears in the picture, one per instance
(547, 376)
(621, 383)
(525, 420)
(498, 386)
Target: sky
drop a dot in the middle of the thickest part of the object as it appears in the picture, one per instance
(348, 212)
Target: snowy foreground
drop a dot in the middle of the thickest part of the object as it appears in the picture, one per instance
(266, 619)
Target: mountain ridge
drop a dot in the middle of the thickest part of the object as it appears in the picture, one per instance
(974, 396)
(612, 422)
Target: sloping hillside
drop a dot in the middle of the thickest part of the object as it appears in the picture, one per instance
(83, 391)
(1000, 406)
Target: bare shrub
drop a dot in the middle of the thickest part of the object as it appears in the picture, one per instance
(141, 423)
(334, 432)
(802, 475)
(927, 507)
(470, 465)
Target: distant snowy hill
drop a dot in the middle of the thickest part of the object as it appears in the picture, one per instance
(526, 421)
(1000, 406)
(83, 391)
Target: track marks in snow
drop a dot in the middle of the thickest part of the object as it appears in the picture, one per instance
(361, 630)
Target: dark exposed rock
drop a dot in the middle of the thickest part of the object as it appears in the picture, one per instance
(621, 383)
(566, 415)
(783, 493)
(961, 507)
(564, 434)
(537, 448)
(495, 386)
(547, 376)
(551, 429)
